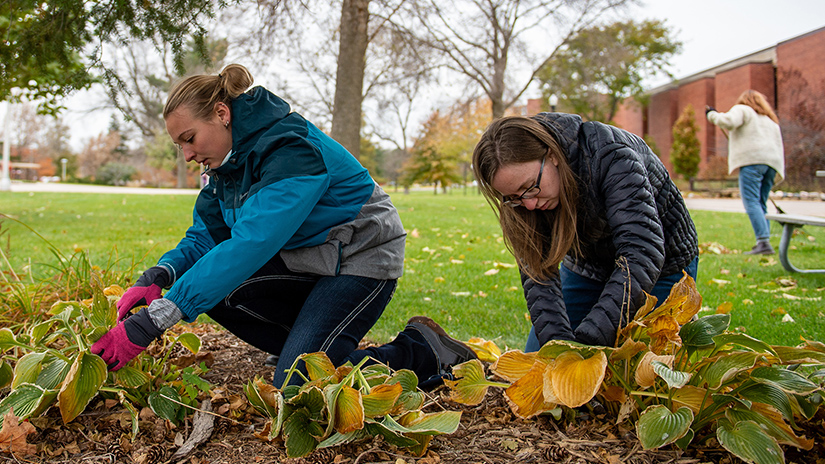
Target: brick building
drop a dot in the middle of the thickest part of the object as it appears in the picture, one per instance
(791, 74)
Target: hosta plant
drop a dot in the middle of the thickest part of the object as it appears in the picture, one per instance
(339, 405)
(48, 362)
(681, 379)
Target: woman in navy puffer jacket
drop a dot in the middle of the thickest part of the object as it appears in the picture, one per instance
(596, 200)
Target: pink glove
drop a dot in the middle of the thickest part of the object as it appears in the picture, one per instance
(146, 289)
(126, 340)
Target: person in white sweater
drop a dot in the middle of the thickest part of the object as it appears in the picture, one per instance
(755, 147)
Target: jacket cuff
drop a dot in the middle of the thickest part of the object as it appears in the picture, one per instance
(164, 313)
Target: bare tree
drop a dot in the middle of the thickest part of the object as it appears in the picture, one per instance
(373, 53)
(500, 45)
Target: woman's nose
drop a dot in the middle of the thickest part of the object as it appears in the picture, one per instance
(188, 155)
(530, 203)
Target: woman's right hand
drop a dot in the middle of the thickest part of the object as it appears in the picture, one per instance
(147, 289)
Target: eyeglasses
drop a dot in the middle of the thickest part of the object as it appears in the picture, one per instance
(532, 192)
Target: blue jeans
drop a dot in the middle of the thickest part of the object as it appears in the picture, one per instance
(755, 183)
(581, 294)
(288, 314)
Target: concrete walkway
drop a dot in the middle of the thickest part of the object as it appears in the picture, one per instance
(732, 205)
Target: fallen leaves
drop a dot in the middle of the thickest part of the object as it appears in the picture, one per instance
(13, 435)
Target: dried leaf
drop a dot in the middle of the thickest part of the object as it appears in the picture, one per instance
(645, 377)
(13, 435)
(526, 395)
(576, 380)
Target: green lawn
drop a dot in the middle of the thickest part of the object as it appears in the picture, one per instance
(457, 269)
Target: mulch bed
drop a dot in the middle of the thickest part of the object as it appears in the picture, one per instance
(489, 432)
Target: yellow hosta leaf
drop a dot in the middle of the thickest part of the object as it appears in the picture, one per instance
(645, 377)
(661, 330)
(513, 365)
(682, 304)
(349, 410)
(576, 380)
(381, 399)
(650, 305)
(471, 385)
(628, 349)
(690, 396)
(318, 365)
(526, 396)
(486, 350)
(113, 290)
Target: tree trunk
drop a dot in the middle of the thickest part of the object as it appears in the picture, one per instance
(181, 168)
(349, 84)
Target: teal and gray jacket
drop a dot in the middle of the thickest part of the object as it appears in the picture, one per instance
(287, 188)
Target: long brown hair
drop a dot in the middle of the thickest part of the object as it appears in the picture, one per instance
(538, 239)
(201, 92)
(758, 102)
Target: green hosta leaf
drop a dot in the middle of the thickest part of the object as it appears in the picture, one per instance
(657, 426)
(189, 341)
(8, 340)
(743, 340)
(162, 404)
(86, 376)
(772, 396)
(103, 313)
(130, 377)
(391, 431)
(674, 379)
(749, 442)
(133, 413)
(444, 422)
(725, 366)
(808, 406)
(53, 373)
(27, 369)
(264, 397)
(410, 399)
(94, 334)
(61, 307)
(701, 331)
(788, 381)
(685, 441)
(38, 331)
(797, 355)
(27, 400)
(773, 424)
(313, 400)
(300, 432)
(6, 374)
(720, 399)
(337, 439)
(193, 380)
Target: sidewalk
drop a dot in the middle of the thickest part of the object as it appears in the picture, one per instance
(731, 205)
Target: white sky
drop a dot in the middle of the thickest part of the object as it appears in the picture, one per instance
(712, 31)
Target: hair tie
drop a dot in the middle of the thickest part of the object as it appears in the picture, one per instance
(220, 76)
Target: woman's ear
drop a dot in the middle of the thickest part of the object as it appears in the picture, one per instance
(223, 113)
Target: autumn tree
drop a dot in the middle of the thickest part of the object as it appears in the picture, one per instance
(593, 71)
(802, 119)
(492, 43)
(443, 152)
(53, 48)
(684, 153)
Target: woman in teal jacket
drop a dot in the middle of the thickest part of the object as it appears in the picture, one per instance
(293, 246)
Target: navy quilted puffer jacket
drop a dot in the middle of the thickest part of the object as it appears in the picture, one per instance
(630, 211)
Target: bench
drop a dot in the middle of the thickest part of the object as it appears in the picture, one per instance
(789, 223)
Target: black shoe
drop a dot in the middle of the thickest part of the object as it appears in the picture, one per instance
(271, 360)
(448, 351)
(762, 247)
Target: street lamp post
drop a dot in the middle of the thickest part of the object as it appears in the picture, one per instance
(553, 100)
(63, 161)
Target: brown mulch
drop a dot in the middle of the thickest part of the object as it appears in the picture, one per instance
(489, 433)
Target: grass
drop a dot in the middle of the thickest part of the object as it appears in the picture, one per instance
(457, 269)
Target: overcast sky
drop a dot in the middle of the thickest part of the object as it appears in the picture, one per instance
(713, 32)
(718, 31)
